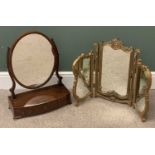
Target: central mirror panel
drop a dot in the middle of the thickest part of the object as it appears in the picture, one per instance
(116, 73)
(32, 60)
(114, 69)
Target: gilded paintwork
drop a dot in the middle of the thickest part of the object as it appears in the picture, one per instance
(112, 95)
(76, 67)
(135, 67)
(141, 68)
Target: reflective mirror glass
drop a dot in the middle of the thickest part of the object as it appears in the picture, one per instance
(81, 90)
(115, 70)
(143, 83)
(32, 60)
(85, 70)
(140, 105)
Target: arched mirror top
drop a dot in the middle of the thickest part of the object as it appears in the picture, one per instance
(117, 44)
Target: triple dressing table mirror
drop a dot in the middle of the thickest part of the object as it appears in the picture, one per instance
(32, 61)
(114, 72)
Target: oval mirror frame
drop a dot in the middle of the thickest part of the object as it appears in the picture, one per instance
(10, 65)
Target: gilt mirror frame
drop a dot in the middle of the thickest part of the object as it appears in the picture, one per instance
(76, 67)
(13, 77)
(136, 67)
(142, 69)
(112, 95)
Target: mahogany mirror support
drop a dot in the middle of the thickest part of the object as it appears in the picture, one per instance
(57, 60)
(31, 62)
(12, 89)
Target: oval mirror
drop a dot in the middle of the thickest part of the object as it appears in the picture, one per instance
(32, 60)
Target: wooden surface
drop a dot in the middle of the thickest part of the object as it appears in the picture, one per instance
(39, 101)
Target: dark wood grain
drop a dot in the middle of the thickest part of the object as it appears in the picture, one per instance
(39, 101)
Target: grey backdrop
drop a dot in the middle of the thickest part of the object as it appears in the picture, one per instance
(72, 40)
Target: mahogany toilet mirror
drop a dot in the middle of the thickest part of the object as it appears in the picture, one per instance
(32, 61)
